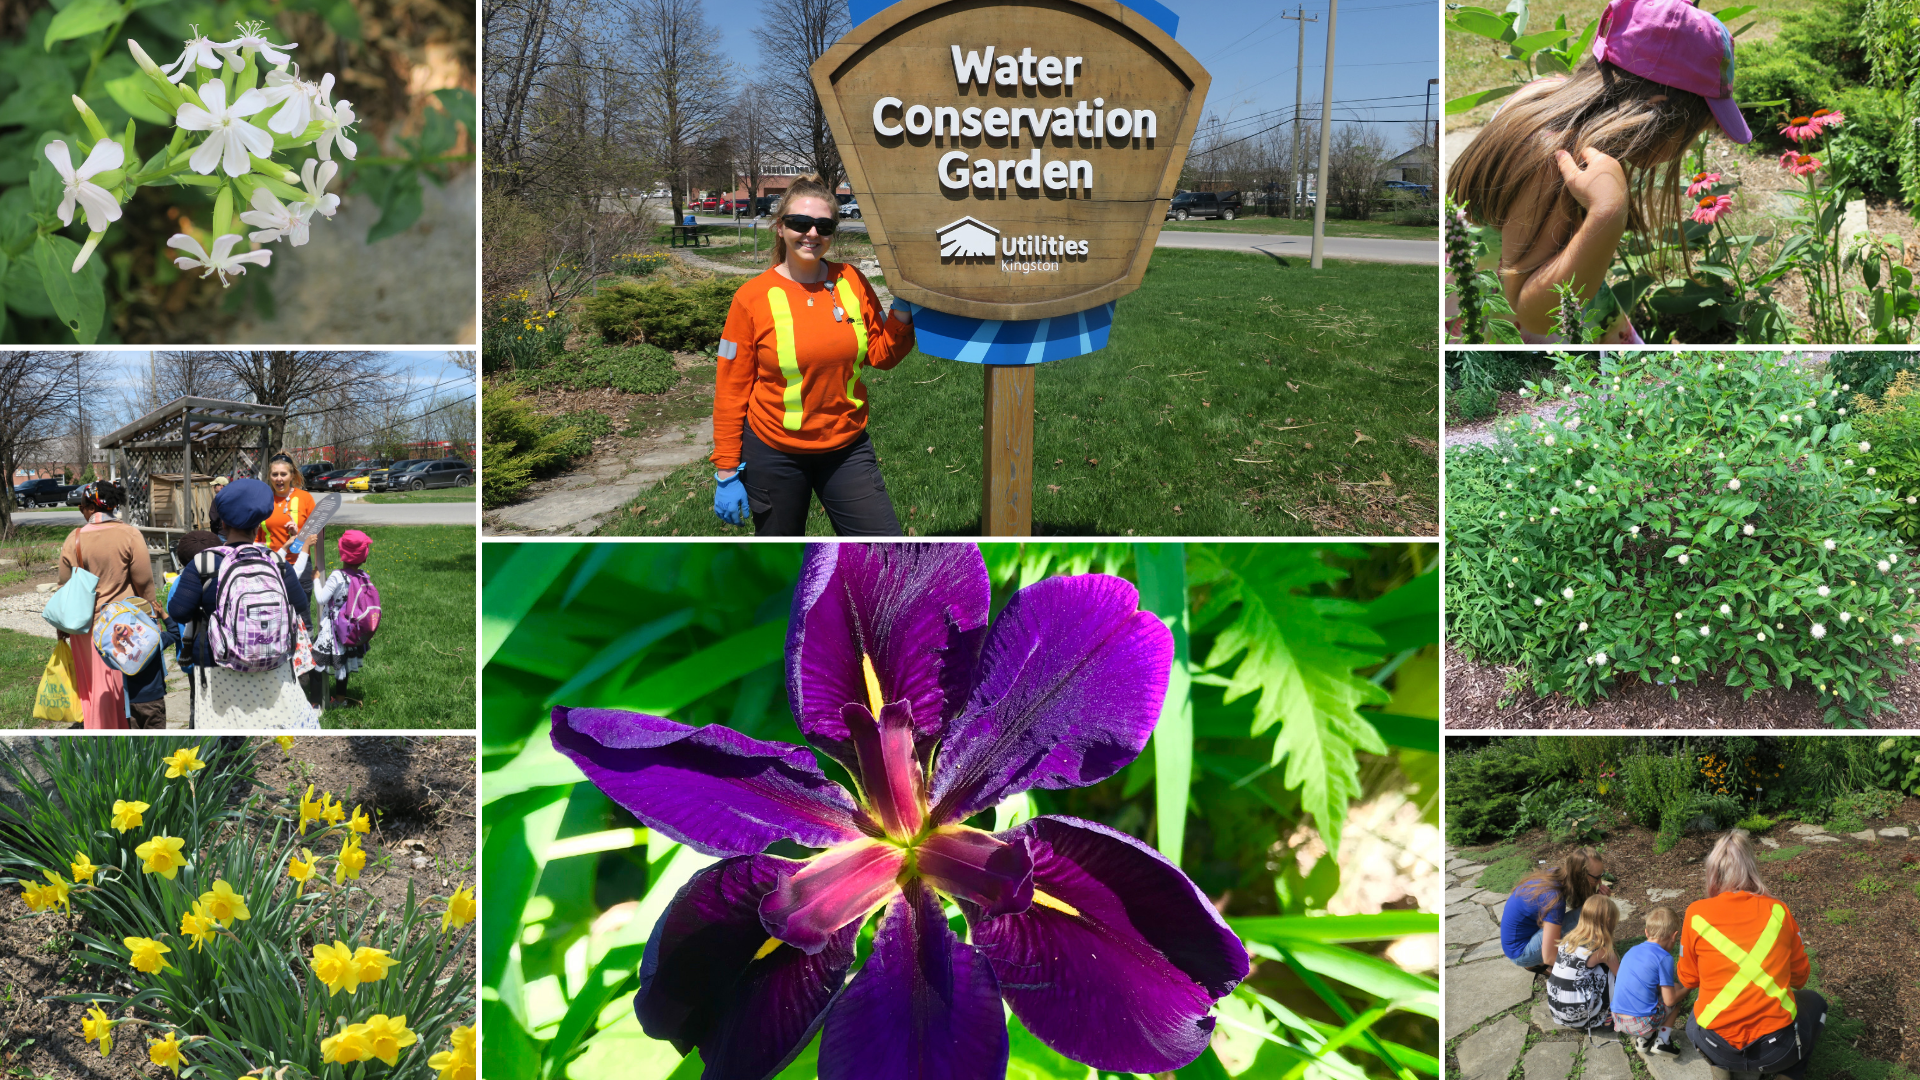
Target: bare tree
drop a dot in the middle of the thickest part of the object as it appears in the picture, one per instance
(792, 35)
(310, 382)
(752, 141)
(682, 80)
(40, 395)
(1353, 167)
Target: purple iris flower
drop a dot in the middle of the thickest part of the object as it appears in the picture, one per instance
(1104, 949)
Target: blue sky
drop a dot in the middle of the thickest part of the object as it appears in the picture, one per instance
(1383, 49)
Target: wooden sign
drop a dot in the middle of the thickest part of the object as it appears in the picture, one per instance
(1013, 161)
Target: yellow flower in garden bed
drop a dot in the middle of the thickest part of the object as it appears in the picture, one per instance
(148, 954)
(388, 1035)
(333, 965)
(349, 1046)
(333, 811)
(372, 964)
(166, 1052)
(56, 891)
(351, 861)
(97, 1027)
(359, 822)
(224, 905)
(458, 1063)
(83, 868)
(162, 856)
(285, 741)
(197, 924)
(301, 871)
(311, 810)
(126, 815)
(460, 908)
(35, 896)
(183, 761)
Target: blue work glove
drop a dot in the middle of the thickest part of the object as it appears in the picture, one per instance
(293, 548)
(730, 498)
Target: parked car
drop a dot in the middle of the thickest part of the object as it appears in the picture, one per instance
(314, 468)
(736, 207)
(1424, 191)
(447, 472)
(377, 479)
(73, 495)
(707, 204)
(338, 481)
(45, 491)
(850, 208)
(764, 204)
(1204, 204)
(360, 483)
(321, 481)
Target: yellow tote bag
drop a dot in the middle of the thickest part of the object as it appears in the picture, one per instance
(57, 701)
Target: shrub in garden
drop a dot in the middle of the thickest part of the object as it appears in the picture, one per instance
(1579, 820)
(1892, 426)
(517, 446)
(685, 318)
(1476, 379)
(630, 369)
(1869, 373)
(1693, 516)
(1484, 790)
(516, 336)
(222, 942)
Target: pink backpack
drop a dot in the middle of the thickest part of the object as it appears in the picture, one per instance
(359, 616)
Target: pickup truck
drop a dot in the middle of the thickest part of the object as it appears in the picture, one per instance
(1204, 204)
(43, 492)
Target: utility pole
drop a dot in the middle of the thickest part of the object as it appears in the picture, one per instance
(1299, 70)
(1426, 109)
(1326, 140)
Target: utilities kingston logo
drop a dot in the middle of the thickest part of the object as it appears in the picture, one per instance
(971, 238)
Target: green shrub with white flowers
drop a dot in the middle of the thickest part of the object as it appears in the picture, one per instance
(1684, 517)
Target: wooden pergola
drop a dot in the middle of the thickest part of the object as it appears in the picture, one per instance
(168, 459)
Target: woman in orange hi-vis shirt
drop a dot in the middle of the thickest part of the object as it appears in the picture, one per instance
(789, 410)
(1741, 948)
(292, 505)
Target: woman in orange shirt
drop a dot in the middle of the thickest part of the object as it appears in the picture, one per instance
(789, 410)
(292, 505)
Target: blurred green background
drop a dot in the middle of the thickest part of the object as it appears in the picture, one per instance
(1294, 776)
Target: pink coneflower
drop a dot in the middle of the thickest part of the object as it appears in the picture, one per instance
(1798, 164)
(1800, 128)
(1710, 207)
(1827, 118)
(1701, 182)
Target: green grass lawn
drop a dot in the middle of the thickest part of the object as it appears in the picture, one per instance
(435, 495)
(1279, 226)
(23, 658)
(418, 672)
(1240, 395)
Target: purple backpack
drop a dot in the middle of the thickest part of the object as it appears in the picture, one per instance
(252, 628)
(359, 616)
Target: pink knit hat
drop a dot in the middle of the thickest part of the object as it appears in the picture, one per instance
(1676, 44)
(354, 547)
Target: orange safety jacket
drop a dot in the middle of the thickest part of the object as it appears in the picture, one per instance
(1743, 952)
(790, 360)
(289, 513)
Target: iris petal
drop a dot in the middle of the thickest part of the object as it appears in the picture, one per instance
(917, 611)
(711, 788)
(1070, 687)
(891, 779)
(839, 886)
(992, 873)
(1120, 957)
(924, 1007)
(707, 979)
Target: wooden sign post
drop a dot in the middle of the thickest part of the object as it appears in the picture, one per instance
(1013, 162)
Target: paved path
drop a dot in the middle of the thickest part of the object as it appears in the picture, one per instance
(351, 513)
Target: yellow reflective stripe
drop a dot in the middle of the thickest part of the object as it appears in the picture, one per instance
(1750, 972)
(851, 303)
(789, 359)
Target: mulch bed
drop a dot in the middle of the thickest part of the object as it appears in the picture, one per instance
(420, 792)
(1863, 964)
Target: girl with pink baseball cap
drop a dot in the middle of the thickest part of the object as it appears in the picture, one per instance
(1570, 163)
(349, 614)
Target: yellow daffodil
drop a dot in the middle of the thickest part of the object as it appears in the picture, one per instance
(457, 1063)
(460, 908)
(56, 891)
(359, 822)
(166, 1052)
(197, 924)
(126, 815)
(372, 964)
(348, 1046)
(148, 954)
(388, 1035)
(333, 811)
(35, 895)
(351, 861)
(285, 741)
(224, 905)
(97, 1027)
(309, 809)
(162, 856)
(183, 761)
(333, 965)
(301, 871)
(83, 868)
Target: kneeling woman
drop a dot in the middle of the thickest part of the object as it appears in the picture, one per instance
(1548, 905)
(789, 410)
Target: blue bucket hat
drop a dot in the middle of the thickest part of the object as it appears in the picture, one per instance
(244, 504)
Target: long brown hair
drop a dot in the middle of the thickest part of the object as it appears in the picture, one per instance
(1644, 124)
(1569, 879)
(803, 187)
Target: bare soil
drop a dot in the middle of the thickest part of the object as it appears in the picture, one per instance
(1847, 930)
(420, 792)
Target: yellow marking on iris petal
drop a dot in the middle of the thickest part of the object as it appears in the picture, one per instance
(1055, 903)
(772, 944)
(873, 684)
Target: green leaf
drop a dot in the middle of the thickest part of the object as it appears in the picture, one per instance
(1162, 569)
(83, 17)
(528, 570)
(1409, 616)
(132, 93)
(679, 684)
(1480, 21)
(1469, 102)
(1030, 1059)
(460, 105)
(619, 651)
(1536, 42)
(621, 1051)
(1415, 993)
(1205, 1067)
(1334, 929)
(519, 830)
(77, 299)
(400, 206)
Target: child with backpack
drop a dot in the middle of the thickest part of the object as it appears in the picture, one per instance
(244, 604)
(1580, 986)
(349, 614)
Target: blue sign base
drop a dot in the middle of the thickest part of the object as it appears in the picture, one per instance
(993, 341)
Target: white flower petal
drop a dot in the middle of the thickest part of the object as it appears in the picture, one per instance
(106, 155)
(62, 159)
(102, 208)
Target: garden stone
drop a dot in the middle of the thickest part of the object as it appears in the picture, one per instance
(1486, 950)
(1897, 831)
(1456, 863)
(1465, 909)
(1770, 842)
(1471, 929)
(1477, 991)
(1469, 871)
(1606, 1060)
(1654, 896)
(1490, 1053)
(1454, 955)
(1461, 892)
(1806, 830)
(1549, 1060)
(1490, 898)
(1626, 908)
(1688, 1066)
(1498, 911)
(1823, 839)
(1541, 1017)
(1864, 834)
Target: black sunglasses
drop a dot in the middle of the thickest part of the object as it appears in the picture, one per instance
(800, 223)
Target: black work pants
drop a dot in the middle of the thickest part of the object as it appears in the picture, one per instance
(1787, 1051)
(781, 486)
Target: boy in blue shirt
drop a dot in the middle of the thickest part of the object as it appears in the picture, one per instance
(1647, 994)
